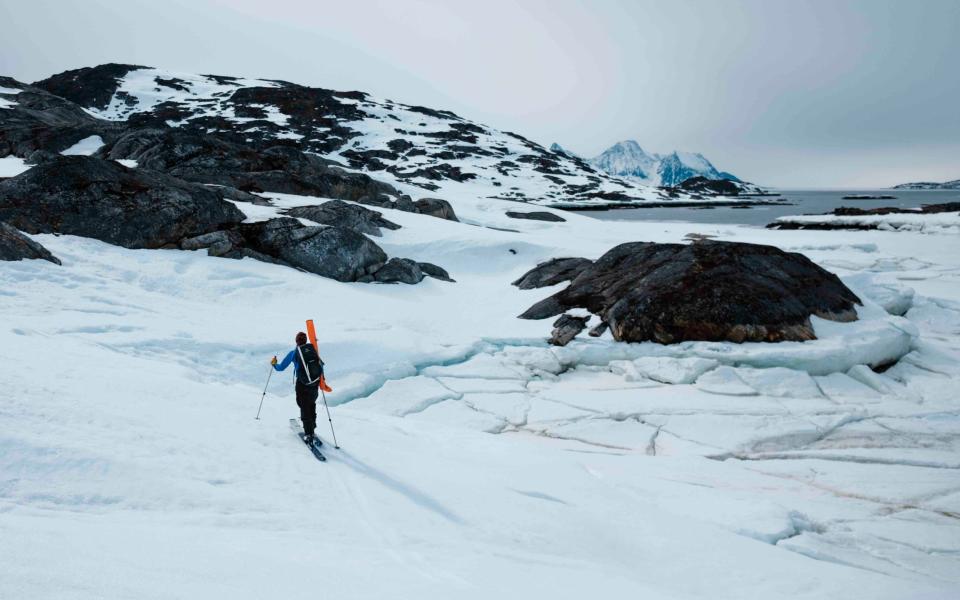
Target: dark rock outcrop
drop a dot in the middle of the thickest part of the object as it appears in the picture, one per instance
(702, 185)
(16, 246)
(434, 271)
(435, 207)
(90, 86)
(703, 291)
(333, 252)
(552, 272)
(399, 270)
(566, 328)
(536, 216)
(96, 198)
(205, 158)
(39, 125)
(342, 214)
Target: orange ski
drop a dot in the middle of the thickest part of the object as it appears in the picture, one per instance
(312, 336)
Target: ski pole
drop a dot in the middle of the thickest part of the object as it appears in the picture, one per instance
(269, 375)
(335, 445)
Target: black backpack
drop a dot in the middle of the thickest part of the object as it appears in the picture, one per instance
(311, 367)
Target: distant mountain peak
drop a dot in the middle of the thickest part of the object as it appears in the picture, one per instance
(557, 148)
(628, 159)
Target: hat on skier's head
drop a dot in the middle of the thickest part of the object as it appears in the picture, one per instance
(301, 338)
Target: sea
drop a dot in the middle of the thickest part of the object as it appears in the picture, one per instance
(790, 202)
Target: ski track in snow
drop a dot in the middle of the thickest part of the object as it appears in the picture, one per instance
(476, 459)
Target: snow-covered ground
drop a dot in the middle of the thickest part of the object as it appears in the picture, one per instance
(948, 222)
(477, 461)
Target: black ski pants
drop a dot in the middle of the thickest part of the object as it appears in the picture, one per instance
(307, 401)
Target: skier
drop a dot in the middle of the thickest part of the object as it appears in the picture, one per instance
(308, 371)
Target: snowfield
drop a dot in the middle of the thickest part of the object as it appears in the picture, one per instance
(948, 222)
(476, 460)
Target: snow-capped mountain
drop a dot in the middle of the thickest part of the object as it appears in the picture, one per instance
(628, 159)
(404, 145)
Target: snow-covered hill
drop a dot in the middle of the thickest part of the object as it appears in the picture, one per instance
(929, 185)
(434, 150)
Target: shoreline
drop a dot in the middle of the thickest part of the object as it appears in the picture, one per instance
(678, 204)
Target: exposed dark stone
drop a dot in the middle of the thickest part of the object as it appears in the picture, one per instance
(552, 272)
(438, 114)
(40, 125)
(536, 216)
(217, 243)
(927, 209)
(92, 87)
(434, 271)
(435, 207)
(599, 329)
(172, 83)
(404, 203)
(334, 252)
(213, 159)
(343, 214)
(135, 208)
(704, 291)
(236, 195)
(16, 246)
(399, 145)
(399, 270)
(369, 159)
(434, 172)
(566, 328)
(700, 184)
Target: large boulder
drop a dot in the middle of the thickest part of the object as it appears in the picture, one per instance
(552, 272)
(16, 246)
(704, 291)
(134, 208)
(342, 214)
(399, 270)
(333, 252)
(435, 207)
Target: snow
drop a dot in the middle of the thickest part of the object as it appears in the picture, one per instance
(139, 91)
(4, 103)
(128, 163)
(663, 368)
(695, 161)
(6, 90)
(476, 459)
(935, 223)
(11, 166)
(85, 147)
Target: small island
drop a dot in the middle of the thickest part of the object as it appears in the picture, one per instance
(869, 197)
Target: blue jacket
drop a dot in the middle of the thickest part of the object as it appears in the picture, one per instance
(289, 358)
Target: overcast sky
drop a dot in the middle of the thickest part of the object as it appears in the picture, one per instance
(791, 93)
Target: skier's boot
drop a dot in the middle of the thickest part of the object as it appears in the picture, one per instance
(308, 439)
